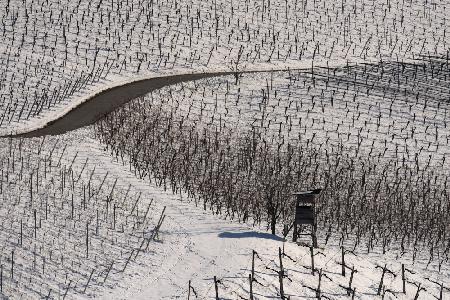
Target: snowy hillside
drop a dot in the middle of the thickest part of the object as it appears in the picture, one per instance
(192, 245)
(206, 117)
(54, 52)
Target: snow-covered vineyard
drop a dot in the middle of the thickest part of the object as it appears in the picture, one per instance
(186, 192)
(55, 51)
(76, 223)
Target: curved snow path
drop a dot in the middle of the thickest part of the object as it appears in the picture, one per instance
(95, 106)
(105, 101)
(87, 110)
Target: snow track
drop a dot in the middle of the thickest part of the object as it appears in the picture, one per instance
(96, 106)
(85, 110)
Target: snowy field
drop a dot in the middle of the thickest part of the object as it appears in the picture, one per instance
(267, 136)
(186, 192)
(54, 52)
(53, 258)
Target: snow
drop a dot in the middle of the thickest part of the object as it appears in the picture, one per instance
(55, 52)
(46, 118)
(57, 55)
(197, 245)
(193, 245)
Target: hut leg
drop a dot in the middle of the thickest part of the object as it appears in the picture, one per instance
(294, 235)
(313, 236)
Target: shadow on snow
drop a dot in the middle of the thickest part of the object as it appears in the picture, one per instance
(249, 234)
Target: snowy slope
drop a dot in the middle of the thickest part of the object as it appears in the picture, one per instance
(55, 52)
(196, 245)
(75, 222)
(79, 111)
(193, 245)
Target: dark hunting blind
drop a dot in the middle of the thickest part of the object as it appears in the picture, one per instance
(305, 213)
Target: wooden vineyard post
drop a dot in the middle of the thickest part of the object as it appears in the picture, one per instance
(281, 274)
(193, 291)
(253, 264)
(72, 208)
(67, 290)
(342, 263)
(419, 289)
(318, 293)
(21, 232)
(189, 291)
(441, 288)
(89, 280)
(351, 280)
(31, 190)
(216, 288)
(107, 272)
(380, 286)
(403, 279)
(114, 216)
(128, 261)
(384, 271)
(250, 281)
(35, 224)
(87, 239)
(12, 265)
(305, 214)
